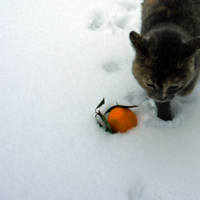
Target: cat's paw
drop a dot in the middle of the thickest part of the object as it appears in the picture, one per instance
(164, 111)
(165, 116)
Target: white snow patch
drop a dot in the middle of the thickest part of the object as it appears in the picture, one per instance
(54, 71)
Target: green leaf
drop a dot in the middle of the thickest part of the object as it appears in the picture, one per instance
(108, 128)
(107, 124)
(100, 104)
(98, 121)
(121, 106)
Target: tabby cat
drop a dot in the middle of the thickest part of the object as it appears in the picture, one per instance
(167, 60)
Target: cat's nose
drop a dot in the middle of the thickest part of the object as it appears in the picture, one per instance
(160, 96)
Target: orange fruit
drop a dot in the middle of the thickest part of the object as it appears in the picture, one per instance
(121, 119)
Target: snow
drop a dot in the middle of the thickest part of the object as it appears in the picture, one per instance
(58, 60)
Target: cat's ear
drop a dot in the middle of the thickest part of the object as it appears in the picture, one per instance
(140, 44)
(190, 48)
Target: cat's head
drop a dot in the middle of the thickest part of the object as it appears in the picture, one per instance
(163, 63)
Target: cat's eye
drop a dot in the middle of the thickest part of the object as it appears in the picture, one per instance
(151, 85)
(173, 87)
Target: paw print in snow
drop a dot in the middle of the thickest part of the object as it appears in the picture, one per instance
(111, 66)
(127, 17)
(124, 21)
(129, 6)
(137, 192)
(100, 20)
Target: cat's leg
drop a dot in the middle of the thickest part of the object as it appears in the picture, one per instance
(164, 111)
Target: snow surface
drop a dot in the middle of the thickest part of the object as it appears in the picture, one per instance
(58, 60)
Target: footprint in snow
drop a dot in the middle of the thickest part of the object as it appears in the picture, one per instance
(129, 6)
(100, 20)
(111, 66)
(137, 192)
(124, 22)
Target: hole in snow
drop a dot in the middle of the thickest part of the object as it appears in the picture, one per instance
(111, 66)
(100, 20)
